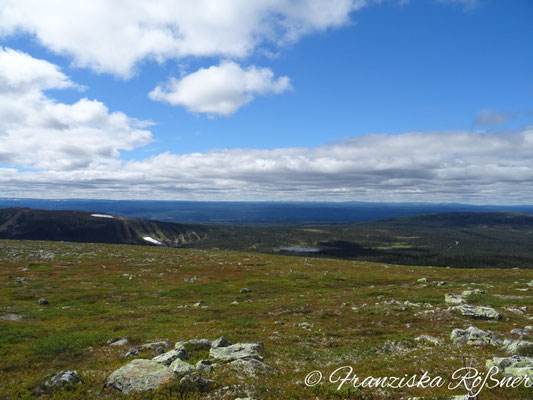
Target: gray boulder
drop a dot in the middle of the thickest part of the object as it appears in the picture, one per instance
(63, 378)
(474, 336)
(140, 376)
(237, 351)
(521, 347)
(181, 367)
(515, 366)
(168, 357)
(250, 366)
(478, 312)
(245, 290)
(42, 301)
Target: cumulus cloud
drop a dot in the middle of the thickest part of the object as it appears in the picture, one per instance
(454, 166)
(38, 132)
(113, 36)
(220, 89)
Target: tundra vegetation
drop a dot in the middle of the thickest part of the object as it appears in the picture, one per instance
(309, 313)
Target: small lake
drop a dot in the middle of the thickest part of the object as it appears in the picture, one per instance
(300, 249)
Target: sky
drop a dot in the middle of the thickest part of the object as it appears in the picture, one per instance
(313, 100)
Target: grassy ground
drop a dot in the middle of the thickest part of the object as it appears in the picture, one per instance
(342, 302)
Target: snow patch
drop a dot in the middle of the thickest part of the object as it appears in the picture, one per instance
(149, 239)
(102, 216)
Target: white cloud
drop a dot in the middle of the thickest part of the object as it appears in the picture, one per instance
(220, 89)
(455, 166)
(38, 132)
(21, 72)
(114, 36)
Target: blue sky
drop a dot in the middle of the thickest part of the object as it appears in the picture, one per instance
(324, 77)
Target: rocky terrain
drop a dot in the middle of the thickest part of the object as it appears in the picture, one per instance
(94, 321)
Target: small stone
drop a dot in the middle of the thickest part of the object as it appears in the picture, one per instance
(118, 341)
(204, 366)
(154, 345)
(429, 340)
(132, 352)
(422, 280)
(181, 367)
(237, 351)
(245, 290)
(279, 323)
(42, 301)
(168, 357)
(470, 292)
(21, 280)
(25, 269)
(63, 378)
(235, 303)
(221, 342)
(11, 317)
(451, 298)
(200, 303)
(159, 350)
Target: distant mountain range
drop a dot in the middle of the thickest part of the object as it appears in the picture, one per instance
(82, 226)
(237, 213)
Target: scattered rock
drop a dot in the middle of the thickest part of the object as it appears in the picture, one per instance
(25, 269)
(474, 336)
(237, 351)
(133, 352)
(63, 378)
(451, 298)
(190, 383)
(200, 303)
(422, 280)
(245, 290)
(118, 341)
(250, 366)
(204, 366)
(515, 366)
(305, 325)
(279, 323)
(21, 280)
(478, 312)
(470, 292)
(168, 357)
(154, 345)
(42, 301)
(159, 350)
(514, 310)
(520, 347)
(181, 367)
(429, 340)
(140, 376)
(221, 342)
(194, 278)
(234, 303)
